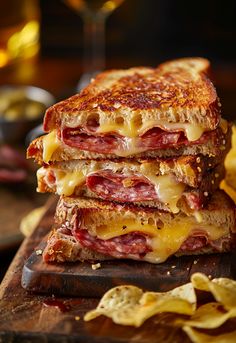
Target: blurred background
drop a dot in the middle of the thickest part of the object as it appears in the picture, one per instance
(42, 45)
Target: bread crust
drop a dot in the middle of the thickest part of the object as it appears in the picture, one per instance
(177, 91)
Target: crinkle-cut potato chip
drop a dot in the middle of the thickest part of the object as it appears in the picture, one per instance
(223, 289)
(199, 337)
(129, 305)
(208, 316)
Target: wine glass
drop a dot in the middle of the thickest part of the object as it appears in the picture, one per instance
(93, 14)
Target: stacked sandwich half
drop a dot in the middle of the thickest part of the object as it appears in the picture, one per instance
(137, 158)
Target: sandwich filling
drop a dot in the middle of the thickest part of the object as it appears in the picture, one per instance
(126, 185)
(93, 139)
(146, 238)
(112, 142)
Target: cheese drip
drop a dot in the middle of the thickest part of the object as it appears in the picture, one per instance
(169, 190)
(50, 145)
(134, 128)
(165, 240)
(66, 181)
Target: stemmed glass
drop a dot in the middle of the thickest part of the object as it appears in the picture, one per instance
(93, 14)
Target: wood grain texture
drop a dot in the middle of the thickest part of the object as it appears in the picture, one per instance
(72, 279)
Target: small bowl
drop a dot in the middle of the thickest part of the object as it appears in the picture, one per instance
(15, 128)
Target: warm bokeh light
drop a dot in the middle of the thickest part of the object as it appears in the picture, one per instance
(24, 43)
(3, 58)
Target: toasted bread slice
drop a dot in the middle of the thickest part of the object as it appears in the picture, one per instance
(220, 211)
(126, 231)
(175, 92)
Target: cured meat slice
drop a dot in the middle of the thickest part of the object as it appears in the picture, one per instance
(118, 247)
(101, 144)
(116, 186)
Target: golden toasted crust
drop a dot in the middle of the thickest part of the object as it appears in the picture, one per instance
(177, 91)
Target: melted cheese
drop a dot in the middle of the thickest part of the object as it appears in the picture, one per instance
(169, 191)
(164, 241)
(50, 145)
(66, 181)
(133, 128)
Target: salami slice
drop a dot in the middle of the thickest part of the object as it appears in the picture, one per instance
(118, 187)
(103, 144)
(124, 246)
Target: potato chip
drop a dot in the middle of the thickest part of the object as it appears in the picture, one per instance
(209, 316)
(223, 289)
(129, 305)
(199, 337)
(31, 220)
(230, 162)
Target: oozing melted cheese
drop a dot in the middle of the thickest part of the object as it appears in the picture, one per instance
(66, 181)
(168, 190)
(166, 240)
(50, 145)
(133, 128)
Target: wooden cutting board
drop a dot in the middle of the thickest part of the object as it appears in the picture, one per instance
(73, 279)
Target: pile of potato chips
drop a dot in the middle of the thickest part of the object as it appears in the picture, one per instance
(129, 305)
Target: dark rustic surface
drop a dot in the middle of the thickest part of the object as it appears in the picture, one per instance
(72, 279)
(16, 201)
